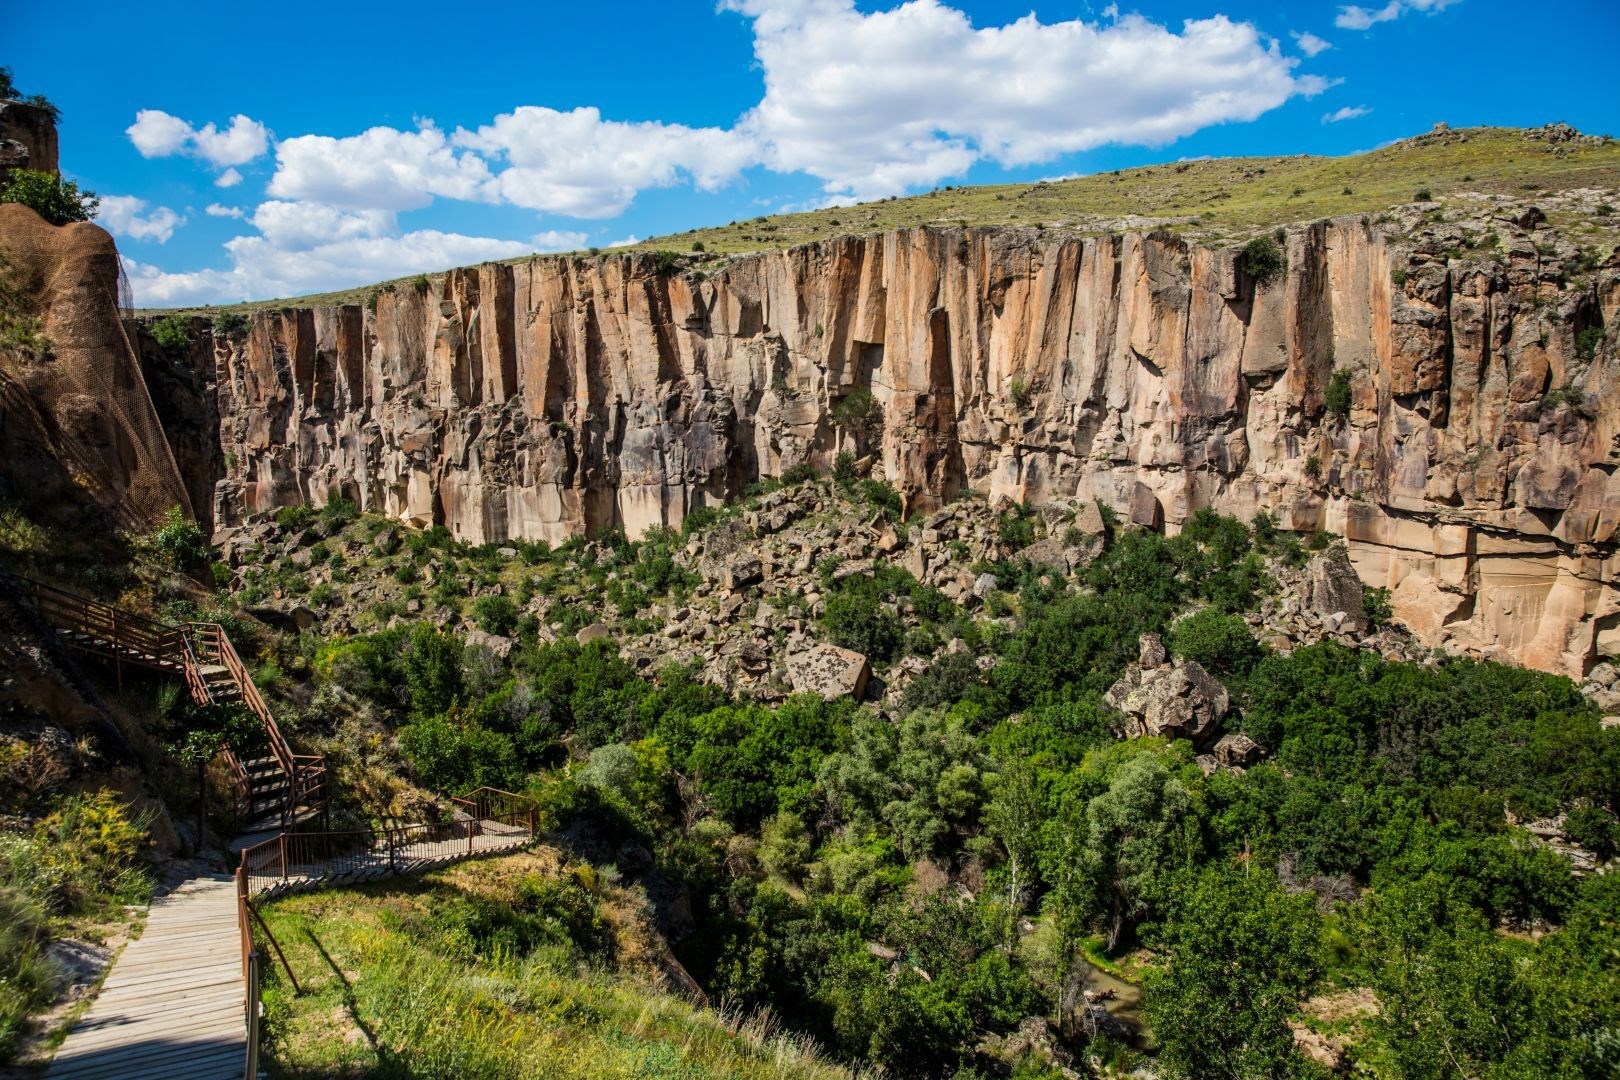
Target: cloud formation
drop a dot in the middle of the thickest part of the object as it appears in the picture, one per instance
(1349, 112)
(158, 134)
(1310, 44)
(126, 215)
(1355, 17)
(875, 103)
(261, 268)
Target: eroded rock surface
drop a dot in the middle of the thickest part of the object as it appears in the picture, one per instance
(1471, 473)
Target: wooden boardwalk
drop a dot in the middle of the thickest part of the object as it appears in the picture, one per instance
(377, 862)
(173, 1004)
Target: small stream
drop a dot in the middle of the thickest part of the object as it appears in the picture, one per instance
(1125, 1002)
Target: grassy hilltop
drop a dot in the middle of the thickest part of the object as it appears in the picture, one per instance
(1216, 201)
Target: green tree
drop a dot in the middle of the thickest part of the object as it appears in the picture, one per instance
(50, 195)
(1240, 954)
(1125, 849)
(432, 665)
(1220, 642)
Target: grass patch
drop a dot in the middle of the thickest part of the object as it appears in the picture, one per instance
(476, 972)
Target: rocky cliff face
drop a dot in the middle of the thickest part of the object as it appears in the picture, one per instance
(27, 137)
(1471, 473)
(77, 426)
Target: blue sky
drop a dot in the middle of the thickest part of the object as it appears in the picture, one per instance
(246, 154)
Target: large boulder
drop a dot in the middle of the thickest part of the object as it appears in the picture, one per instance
(1173, 699)
(829, 671)
(1335, 588)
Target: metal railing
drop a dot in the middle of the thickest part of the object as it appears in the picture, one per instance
(305, 859)
(252, 966)
(108, 631)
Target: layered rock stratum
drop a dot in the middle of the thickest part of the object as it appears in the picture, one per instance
(1472, 474)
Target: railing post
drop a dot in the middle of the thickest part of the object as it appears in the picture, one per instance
(531, 822)
(470, 826)
(283, 839)
(392, 868)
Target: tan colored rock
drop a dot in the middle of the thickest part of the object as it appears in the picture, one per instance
(560, 396)
(78, 427)
(829, 671)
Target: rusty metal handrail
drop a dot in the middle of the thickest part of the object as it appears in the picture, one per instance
(321, 856)
(126, 637)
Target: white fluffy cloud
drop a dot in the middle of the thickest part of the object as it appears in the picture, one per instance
(382, 168)
(1355, 17)
(289, 265)
(1349, 112)
(126, 215)
(558, 240)
(158, 134)
(874, 103)
(578, 164)
(1310, 44)
(870, 103)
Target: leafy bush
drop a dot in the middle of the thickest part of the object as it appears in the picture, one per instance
(1018, 392)
(666, 262)
(338, 512)
(843, 471)
(851, 410)
(1242, 953)
(179, 542)
(857, 619)
(53, 197)
(1423, 195)
(1588, 341)
(1337, 396)
(231, 325)
(80, 857)
(495, 615)
(1376, 604)
(1220, 642)
(25, 975)
(451, 757)
(1262, 260)
(293, 518)
(173, 334)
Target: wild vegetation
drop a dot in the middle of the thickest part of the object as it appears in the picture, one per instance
(906, 887)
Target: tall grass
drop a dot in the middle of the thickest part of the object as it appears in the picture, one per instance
(384, 997)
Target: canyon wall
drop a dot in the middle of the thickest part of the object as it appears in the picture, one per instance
(77, 426)
(1472, 473)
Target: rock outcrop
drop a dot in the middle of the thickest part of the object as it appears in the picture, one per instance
(1171, 699)
(77, 425)
(1470, 469)
(27, 137)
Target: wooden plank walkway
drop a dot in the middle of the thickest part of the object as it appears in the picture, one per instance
(172, 1005)
(374, 864)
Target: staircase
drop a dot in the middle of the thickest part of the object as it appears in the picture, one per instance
(284, 788)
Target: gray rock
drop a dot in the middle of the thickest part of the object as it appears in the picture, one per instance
(495, 643)
(1335, 589)
(1176, 701)
(1237, 750)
